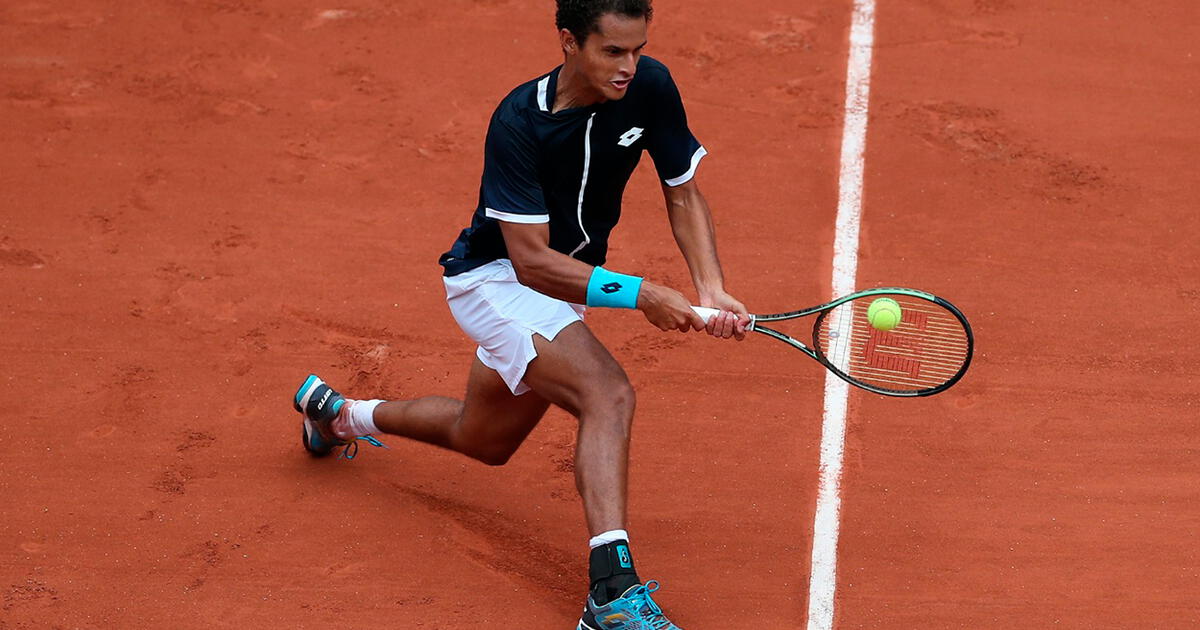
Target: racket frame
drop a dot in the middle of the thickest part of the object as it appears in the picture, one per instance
(824, 309)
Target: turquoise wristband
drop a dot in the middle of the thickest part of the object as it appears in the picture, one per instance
(613, 290)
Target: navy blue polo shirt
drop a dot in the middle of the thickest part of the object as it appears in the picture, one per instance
(570, 168)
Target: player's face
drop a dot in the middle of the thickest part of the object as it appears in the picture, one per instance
(609, 58)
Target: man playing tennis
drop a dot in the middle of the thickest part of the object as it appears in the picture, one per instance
(559, 152)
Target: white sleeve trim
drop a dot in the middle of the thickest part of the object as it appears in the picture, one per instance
(512, 217)
(691, 172)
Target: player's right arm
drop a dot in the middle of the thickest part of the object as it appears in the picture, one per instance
(512, 195)
(559, 276)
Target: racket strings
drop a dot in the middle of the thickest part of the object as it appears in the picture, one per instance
(928, 348)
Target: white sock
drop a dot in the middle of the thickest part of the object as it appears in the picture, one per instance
(612, 535)
(360, 419)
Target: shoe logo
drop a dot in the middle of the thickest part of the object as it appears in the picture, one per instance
(631, 136)
(324, 399)
(613, 618)
(611, 287)
(623, 557)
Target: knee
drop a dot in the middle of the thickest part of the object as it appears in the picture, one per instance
(494, 458)
(624, 399)
(490, 454)
(481, 448)
(614, 399)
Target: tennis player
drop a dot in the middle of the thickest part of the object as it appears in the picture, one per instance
(559, 152)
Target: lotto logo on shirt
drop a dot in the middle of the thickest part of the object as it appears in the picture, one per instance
(631, 136)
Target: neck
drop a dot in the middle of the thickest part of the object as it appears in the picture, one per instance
(572, 90)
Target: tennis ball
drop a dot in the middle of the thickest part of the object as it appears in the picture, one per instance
(884, 314)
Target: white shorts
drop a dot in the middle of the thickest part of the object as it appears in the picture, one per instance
(502, 315)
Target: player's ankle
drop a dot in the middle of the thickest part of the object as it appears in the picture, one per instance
(341, 422)
(612, 588)
(611, 570)
(356, 419)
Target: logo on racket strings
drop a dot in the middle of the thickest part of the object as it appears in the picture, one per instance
(889, 350)
(611, 287)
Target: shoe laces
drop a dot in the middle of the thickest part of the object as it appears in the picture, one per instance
(646, 606)
(351, 450)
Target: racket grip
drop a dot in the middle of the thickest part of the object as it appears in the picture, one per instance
(707, 313)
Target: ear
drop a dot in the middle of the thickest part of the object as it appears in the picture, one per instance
(570, 45)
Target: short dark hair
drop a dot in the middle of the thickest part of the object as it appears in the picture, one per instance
(582, 17)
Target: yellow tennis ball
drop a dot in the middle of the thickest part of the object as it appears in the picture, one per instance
(884, 314)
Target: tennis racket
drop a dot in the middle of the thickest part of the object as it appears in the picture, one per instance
(927, 352)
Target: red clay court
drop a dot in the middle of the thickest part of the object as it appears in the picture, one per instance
(202, 201)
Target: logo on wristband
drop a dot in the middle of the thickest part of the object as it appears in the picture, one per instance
(612, 290)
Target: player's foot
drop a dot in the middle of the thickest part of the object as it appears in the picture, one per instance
(319, 405)
(635, 610)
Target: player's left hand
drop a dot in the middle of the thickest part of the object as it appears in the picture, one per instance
(731, 321)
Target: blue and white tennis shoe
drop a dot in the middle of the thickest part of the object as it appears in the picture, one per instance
(319, 405)
(635, 610)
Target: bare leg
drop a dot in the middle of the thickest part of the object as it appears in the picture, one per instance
(489, 426)
(577, 373)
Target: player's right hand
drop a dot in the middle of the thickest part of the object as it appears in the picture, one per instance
(667, 309)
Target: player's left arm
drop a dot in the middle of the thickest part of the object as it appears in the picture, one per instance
(692, 225)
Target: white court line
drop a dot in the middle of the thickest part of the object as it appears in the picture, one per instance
(823, 580)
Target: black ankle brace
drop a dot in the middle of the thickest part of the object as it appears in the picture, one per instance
(611, 565)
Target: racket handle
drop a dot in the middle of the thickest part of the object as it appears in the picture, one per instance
(707, 313)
